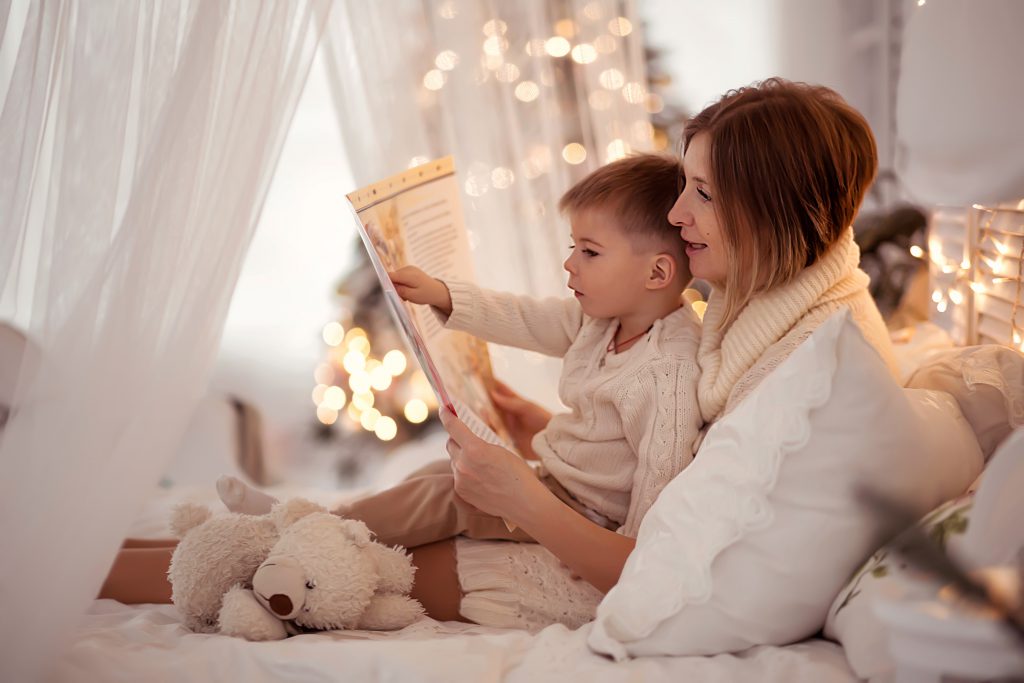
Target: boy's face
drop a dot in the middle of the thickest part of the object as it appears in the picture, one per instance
(607, 269)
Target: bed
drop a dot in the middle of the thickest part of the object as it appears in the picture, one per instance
(130, 643)
(118, 642)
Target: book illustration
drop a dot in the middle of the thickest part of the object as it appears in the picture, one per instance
(415, 218)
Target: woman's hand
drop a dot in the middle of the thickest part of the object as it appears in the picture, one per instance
(499, 483)
(523, 418)
(415, 286)
(488, 477)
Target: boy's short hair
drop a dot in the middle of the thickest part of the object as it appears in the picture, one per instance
(639, 190)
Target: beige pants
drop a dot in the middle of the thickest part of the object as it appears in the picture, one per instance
(424, 508)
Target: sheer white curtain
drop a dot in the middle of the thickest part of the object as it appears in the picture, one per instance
(528, 96)
(137, 141)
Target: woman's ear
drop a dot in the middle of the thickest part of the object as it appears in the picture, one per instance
(663, 270)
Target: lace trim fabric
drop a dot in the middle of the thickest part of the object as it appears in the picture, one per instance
(989, 366)
(520, 585)
(723, 498)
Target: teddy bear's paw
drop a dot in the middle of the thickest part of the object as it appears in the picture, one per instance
(187, 516)
(394, 567)
(389, 612)
(241, 615)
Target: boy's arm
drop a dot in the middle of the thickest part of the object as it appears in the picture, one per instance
(661, 420)
(548, 326)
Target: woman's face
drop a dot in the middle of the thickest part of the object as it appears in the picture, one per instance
(694, 213)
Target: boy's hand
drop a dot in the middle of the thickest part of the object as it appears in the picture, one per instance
(415, 286)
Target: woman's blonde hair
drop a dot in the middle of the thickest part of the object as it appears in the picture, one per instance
(790, 164)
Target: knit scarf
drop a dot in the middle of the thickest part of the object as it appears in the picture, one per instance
(726, 355)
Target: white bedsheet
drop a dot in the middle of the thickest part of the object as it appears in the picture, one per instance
(148, 642)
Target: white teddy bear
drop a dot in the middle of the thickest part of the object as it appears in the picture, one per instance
(299, 568)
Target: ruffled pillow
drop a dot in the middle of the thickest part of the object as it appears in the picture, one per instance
(978, 529)
(750, 544)
(988, 384)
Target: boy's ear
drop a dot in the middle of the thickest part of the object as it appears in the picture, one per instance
(663, 270)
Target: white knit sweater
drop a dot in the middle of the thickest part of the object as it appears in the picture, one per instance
(734, 361)
(632, 416)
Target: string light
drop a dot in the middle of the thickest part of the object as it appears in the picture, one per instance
(584, 53)
(611, 79)
(979, 284)
(574, 153)
(333, 334)
(416, 411)
(394, 362)
(557, 46)
(446, 60)
(620, 26)
(527, 91)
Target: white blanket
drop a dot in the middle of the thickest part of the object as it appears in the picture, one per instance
(149, 642)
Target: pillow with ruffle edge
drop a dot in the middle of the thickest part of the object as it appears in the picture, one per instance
(718, 565)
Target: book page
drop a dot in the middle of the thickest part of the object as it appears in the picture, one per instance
(415, 218)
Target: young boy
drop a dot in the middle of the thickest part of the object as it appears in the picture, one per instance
(629, 372)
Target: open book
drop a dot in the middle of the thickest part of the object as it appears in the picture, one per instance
(415, 218)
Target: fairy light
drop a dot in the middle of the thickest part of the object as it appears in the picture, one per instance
(986, 264)
(368, 419)
(557, 46)
(527, 91)
(495, 46)
(620, 26)
(359, 382)
(584, 53)
(334, 397)
(394, 362)
(434, 79)
(333, 333)
(326, 415)
(574, 153)
(611, 79)
(495, 27)
(446, 60)
(617, 149)
(318, 393)
(916, 251)
(353, 362)
(386, 428)
(416, 411)
(380, 379)
(502, 177)
(634, 93)
(363, 401)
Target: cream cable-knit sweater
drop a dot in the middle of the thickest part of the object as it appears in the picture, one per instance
(773, 324)
(632, 417)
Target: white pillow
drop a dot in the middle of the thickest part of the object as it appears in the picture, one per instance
(987, 382)
(978, 529)
(750, 543)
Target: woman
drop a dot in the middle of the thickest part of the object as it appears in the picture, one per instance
(774, 175)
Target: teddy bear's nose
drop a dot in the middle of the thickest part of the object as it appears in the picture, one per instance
(281, 604)
(280, 584)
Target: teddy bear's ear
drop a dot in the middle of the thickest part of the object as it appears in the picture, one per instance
(287, 513)
(187, 516)
(357, 531)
